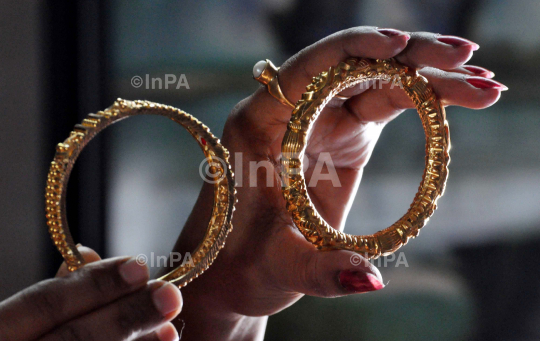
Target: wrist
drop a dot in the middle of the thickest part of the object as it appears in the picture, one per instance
(208, 313)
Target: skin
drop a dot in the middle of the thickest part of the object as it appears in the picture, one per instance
(93, 303)
(267, 264)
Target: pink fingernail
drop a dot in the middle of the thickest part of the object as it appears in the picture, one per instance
(484, 83)
(359, 281)
(458, 42)
(167, 299)
(167, 333)
(390, 32)
(480, 71)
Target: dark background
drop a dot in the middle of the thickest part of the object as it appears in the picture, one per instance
(473, 273)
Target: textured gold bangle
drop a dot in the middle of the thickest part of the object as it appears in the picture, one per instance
(319, 92)
(216, 155)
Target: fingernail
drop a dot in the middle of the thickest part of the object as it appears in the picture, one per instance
(78, 245)
(458, 42)
(167, 332)
(359, 281)
(480, 71)
(167, 299)
(133, 273)
(484, 83)
(390, 32)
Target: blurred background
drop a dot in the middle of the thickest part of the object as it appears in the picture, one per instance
(474, 274)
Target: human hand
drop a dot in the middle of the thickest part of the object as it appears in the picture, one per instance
(107, 299)
(267, 265)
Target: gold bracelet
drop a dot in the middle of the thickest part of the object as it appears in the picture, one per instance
(216, 155)
(319, 92)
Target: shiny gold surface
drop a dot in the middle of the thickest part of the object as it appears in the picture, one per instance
(325, 86)
(217, 156)
(269, 77)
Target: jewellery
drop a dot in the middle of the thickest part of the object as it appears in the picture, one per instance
(216, 155)
(265, 72)
(319, 92)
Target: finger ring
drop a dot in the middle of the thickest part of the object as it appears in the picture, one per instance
(265, 72)
(216, 155)
(319, 92)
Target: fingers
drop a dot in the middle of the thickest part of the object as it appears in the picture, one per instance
(381, 105)
(339, 273)
(330, 273)
(430, 49)
(423, 49)
(367, 42)
(418, 50)
(139, 312)
(473, 70)
(166, 332)
(51, 303)
(88, 254)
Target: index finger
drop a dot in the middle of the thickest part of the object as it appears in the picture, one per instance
(368, 42)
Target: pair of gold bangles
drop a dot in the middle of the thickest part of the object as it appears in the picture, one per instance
(315, 229)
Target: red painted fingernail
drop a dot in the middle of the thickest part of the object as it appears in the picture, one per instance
(390, 32)
(480, 71)
(484, 83)
(458, 42)
(359, 281)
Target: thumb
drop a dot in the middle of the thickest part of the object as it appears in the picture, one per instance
(88, 254)
(337, 273)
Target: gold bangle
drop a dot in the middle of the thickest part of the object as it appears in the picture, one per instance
(216, 155)
(265, 72)
(319, 92)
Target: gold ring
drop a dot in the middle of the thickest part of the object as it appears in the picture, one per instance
(319, 92)
(265, 72)
(217, 156)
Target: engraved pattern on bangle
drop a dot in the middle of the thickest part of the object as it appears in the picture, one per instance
(217, 156)
(432, 114)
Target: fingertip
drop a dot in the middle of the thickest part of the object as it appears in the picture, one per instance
(88, 254)
(168, 300)
(372, 42)
(167, 332)
(396, 40)
(489, 97)
(479, 71)
(393, 33)
(359, 281)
